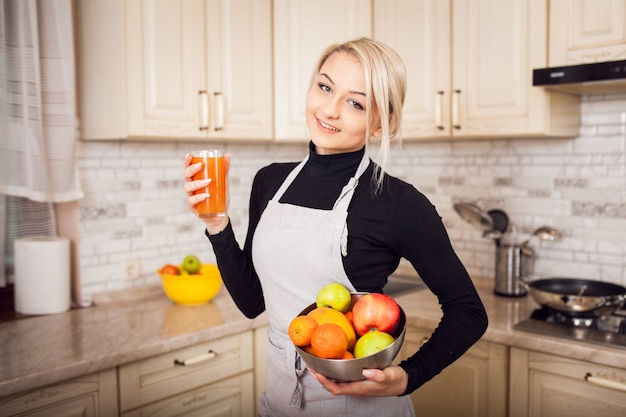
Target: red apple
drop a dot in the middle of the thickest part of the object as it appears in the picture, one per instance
(170, 269)
(377, 312)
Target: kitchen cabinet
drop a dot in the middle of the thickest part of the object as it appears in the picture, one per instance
(552, 386)
(302, 29)
(474, 385)
(586, 31)
(213, 378)
(93, 395)
(469, 69)
(193, 69)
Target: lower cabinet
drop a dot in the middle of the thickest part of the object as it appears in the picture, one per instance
(474, 385)
(545, 385)
(93, 395)
(209, 379)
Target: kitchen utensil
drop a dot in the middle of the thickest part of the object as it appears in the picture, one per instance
(351, 369)
(500, 221)
(192, 289)
(512, 266)
(577, 295)
(472, 214)
(542, 233)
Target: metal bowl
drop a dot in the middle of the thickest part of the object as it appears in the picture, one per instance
(351, 369)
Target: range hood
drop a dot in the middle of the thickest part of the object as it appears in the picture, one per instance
(596, 78)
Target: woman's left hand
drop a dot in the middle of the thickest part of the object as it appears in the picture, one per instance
(391, 381)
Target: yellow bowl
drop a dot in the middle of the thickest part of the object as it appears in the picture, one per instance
(196, 289)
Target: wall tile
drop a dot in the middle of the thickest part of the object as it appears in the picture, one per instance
(134, 205)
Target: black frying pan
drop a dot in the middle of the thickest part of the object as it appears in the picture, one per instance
(574, 295)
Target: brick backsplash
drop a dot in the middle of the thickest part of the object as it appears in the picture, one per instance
(134, 206)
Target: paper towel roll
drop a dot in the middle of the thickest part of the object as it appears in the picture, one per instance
(42, 275)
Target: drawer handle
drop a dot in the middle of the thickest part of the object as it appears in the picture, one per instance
(604, 381)
(219, 111)
(204, 110)
(196, 359)
(455, 109)
(439, 110)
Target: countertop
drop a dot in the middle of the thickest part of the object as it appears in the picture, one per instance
(42, 350)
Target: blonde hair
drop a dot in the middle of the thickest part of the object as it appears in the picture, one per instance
(385, 90)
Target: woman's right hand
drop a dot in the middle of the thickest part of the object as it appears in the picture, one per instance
(214, 225)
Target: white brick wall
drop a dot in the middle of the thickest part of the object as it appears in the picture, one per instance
(135, 207)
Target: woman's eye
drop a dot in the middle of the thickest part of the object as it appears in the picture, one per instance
(324, 88)
(356, 105)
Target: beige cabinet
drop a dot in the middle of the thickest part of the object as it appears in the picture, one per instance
(544, 385)
(420, 31)
(92, 395)
(213, 378)
(586, 31)
(469, 68)
(474, 385)
(193, 69)
(302, 29)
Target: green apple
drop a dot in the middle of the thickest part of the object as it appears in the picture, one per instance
(371, 343)
(335, 296)
(191, 264)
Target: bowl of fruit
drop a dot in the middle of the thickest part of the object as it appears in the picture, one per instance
(342, 333)
(192, 282)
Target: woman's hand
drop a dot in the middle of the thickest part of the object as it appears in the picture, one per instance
(216, 224)
(391, 381)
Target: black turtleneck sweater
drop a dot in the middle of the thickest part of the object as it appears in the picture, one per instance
(398, 222)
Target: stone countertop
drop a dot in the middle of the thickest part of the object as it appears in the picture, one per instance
(43, 350)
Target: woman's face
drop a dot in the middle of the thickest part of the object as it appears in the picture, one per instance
(335, 106)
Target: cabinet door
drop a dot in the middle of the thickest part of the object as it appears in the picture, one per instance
(199, 68)
(584, 31)
(474, 385)
(420, 32)
(551, 386)
(93, 395)
(239, 62)
(496, 44)
(302, 29)
(228, 397)
(165, 67)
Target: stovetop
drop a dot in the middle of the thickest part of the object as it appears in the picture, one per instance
(608, 330)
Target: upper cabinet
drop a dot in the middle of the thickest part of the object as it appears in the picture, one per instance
(240, 69)
(587, 31)
(469, 66)
(302, 30)
(193, 69)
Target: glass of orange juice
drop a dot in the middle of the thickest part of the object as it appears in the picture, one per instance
(213, 167)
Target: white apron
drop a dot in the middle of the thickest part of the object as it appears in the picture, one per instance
(297, 250)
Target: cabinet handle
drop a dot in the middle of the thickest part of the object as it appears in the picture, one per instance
(604, 381)
(204, 109)
(219, 110)
(455, 109)
(196, 359)
(439, 110)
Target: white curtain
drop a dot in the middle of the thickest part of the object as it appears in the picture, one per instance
(37, 117)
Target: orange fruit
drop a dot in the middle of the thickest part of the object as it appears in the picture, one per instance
(329, 341)
(348, 314)
(328, 315)
(347, 355)
(301, 329)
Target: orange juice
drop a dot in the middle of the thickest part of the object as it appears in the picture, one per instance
(214, 167)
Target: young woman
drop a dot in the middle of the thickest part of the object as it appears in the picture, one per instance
(338, 217)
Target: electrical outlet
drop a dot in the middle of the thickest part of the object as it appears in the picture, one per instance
(131, 269)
